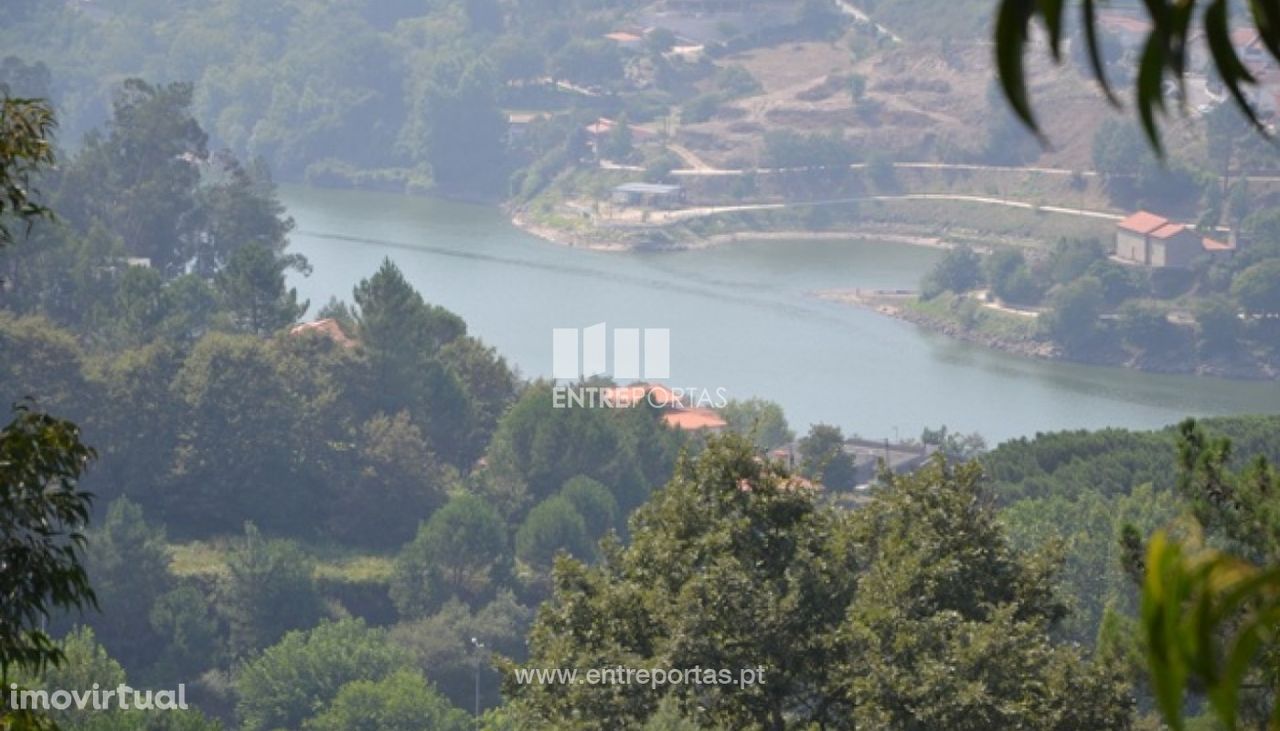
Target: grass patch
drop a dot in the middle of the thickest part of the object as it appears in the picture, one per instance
(208, 560)
(970, 315)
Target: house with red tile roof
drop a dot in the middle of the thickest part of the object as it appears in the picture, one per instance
(675, 412)
(1155, 241)
(328, 328)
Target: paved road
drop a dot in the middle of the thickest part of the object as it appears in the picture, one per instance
(705, 170)
(684, 214)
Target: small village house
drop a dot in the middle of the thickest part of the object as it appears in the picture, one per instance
(626, 40)
(328, 327)
(656, 195)
(1155, 241)
(676, 414)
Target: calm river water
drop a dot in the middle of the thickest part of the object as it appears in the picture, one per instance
(741, 317)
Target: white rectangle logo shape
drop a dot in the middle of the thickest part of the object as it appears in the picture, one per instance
(570, 363)
(657, 353)
(626, 353)
(564, 353)
(593, 350)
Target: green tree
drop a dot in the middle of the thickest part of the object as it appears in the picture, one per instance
(128, 560)
(1147, 328)
(88, 665)
(138, 419)
(551, 527)
(823, 458)
(43, 515)
(190, 633)
(270, 589)
(761, 421)
(1073, 258)
(402, 701)
(306, 672)
(461, 551)
(1072, 318)
(394, 485)
(959, 270)
(950, 627)
(141, 178)
(1210, 613)
(403, 336)
(587, 62)
(464, 127)
(238, 209)
(1217, 325)
(488, 383)
(1010, 278)
(1258, 287)
(139, 304)
(618, 143)
(537, 448)
(442, 649)
(731, 565)
(223, 475)
(38, 360)
(593, 502)
(253, 290)
(26, 147)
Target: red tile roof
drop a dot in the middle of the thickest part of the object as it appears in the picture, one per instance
(1214, 245)
(693, 419)
(1143, 222)
(1125, 23)
(327, 327)
(621, 36)
(655, 395)
(1168, 231)
(1243, 37)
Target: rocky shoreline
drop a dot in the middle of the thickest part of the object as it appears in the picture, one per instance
(888, 303)
(656, 237)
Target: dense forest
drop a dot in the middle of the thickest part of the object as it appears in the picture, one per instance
(375, 93)
(309, 527)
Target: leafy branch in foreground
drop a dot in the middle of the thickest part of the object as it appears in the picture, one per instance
(26, 146)
(1211, 616)
(42, 517)
(1207, 616)
(1165, 51)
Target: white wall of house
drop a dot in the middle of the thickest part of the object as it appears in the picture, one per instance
(1131, 246)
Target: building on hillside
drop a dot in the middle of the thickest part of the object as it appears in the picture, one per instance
(1129, 30)
(626, 40)
(1155, 241)
(899, 458)
(676, 414)
(519, 123)
(657, 195)
(328, 328)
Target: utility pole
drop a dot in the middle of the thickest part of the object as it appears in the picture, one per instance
(479, 648)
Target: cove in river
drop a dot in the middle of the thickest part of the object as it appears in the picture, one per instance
(741, 317)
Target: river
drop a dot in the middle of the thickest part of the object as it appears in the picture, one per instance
(741, 317)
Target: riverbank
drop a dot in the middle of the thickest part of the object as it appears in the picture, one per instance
(678, 236)
(964, 319)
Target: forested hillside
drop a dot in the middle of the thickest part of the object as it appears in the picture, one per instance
(356, 514)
